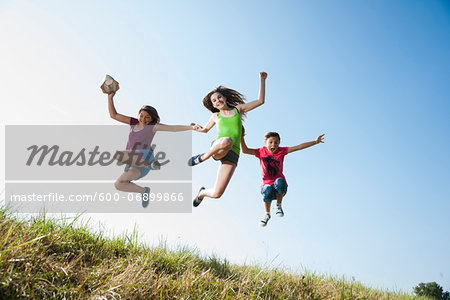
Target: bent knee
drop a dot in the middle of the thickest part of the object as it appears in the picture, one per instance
(226, 143)
(269, 192)
(279, 182)
(280, 186)
(119, 184)
(217, 194)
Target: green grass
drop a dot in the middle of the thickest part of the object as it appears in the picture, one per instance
(60, 259)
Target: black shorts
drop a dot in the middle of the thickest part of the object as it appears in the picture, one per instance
(231, 156)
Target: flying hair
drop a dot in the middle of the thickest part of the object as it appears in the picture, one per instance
(233, 98)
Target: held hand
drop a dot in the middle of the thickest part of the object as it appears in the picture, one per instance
(263, 75)
(196, 127)
(320, 139)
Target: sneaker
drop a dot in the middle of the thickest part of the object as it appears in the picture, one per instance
(264, 220)
(196, 200)
(195, 160)
(155, 165)
(279, 211)
(145, 197)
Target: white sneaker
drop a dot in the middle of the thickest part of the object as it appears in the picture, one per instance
(264, 220)
(279, 212)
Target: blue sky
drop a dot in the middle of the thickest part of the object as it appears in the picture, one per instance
(371, 203)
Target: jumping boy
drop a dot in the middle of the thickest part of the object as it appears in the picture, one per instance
(271, 158)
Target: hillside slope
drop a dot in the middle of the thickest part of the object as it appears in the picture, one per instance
(47, 258)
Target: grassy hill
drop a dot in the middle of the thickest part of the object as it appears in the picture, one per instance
(59, 259)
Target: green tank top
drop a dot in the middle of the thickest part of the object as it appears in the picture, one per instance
(231, 127)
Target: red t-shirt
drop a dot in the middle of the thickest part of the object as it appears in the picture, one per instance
(271, 164)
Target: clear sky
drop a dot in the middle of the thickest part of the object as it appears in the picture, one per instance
(371, 203)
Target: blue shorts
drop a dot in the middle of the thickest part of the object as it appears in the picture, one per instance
(148, 157)
(270, 192)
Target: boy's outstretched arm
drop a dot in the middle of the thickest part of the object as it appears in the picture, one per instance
(244, 147)
(246, 107)
(306, 145)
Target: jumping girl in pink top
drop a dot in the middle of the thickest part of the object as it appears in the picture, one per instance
(138, 153)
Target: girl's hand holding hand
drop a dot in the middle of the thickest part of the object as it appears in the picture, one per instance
(263, 75)
(196, 127)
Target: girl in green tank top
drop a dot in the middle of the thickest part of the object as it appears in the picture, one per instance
(230, 127)
(227, 107)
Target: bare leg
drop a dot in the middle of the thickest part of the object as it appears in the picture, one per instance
(267, 206)
(279, 198)
(124, 184)
(224, 174)
(218, 149)
(131, 157)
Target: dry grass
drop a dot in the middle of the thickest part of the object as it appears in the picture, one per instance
(56, 259)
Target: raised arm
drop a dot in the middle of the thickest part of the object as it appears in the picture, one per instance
(246, 107)
(306, 145)
(113, 113)
(244, 147)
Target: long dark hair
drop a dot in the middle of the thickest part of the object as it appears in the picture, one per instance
(151, 111)
(232, 97)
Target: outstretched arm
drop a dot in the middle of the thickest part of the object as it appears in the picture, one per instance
(246, 107)
(175, 128)
(244, 147)
(113, 113)
(306, 145)
(209, 125)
